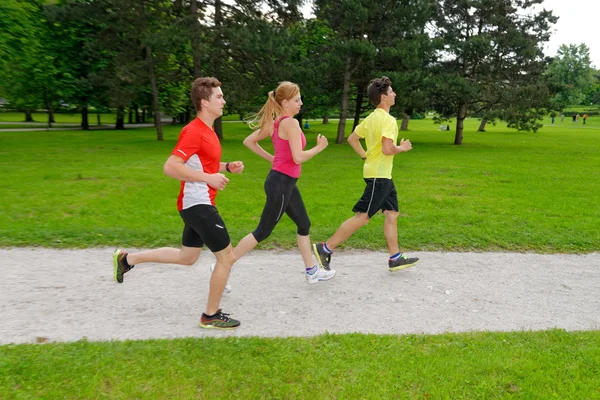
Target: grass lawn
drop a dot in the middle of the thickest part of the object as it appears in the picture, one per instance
(500, 190)
(531, 365)
(25, 125)
(71, 118)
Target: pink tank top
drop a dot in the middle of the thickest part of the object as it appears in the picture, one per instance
(282, 159)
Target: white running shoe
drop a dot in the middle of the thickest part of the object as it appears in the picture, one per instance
(227, 287)
(320, 275)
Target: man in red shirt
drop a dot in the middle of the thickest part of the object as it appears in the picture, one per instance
(196, 162)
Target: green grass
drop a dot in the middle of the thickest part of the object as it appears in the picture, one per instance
(500, 190)
(71, 118)
(31, 126)
(532, 365)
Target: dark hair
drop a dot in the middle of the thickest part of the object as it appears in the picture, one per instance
(202, 90)
(377, 87)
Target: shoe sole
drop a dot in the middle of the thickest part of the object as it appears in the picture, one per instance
(312, 282)
(401, 267)
(217, 327)
(116, 266)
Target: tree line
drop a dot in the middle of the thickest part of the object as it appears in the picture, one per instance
(454, 57)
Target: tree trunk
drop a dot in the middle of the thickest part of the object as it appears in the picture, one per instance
(299, 117)
(130, 121)
(404, 124)
(173, 120)
(218, 125)
(137, 113)
(98, 116)
(341, 133)
(325, 119)
(187, 116)
(120, 118)
(28, 116)
(406, 119)
(143, 115)
(155, 101)
(196, 39)
(482, 125)
(358, 108)
(85, 123)
(50, 115)
(460, 119)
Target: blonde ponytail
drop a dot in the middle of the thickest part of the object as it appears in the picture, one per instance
(272, 108)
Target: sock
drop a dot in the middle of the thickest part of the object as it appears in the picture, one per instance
(395, 256)
(326, 248)
(126, 263)
(312, 270)
(210, 316)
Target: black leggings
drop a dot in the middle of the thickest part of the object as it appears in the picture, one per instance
(282, 196)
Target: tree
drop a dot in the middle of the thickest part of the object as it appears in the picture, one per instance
(486, 47)
(571, 71)
(373, 39)
(23, 61)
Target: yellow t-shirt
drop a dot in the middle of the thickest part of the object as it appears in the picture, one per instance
(377, 125)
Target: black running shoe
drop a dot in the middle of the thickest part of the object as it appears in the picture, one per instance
(119, 267)
(323, 257)
(402, 263)
(218, 321)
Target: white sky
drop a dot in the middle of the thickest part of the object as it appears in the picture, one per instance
(579, 22)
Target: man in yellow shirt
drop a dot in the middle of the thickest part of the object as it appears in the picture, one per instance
(380, 132)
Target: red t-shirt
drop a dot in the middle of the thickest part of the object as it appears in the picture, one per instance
(199, 147)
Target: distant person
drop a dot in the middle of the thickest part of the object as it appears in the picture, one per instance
(574, 118)
(553, 119)
(577, 118)
(380, 132)
(584, 118)
(306, 125)
(196, 162)
(562, 118)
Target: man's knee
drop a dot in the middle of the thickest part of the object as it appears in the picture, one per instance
(188, 258)
(362, 218)
(226, 256)
(391, 216)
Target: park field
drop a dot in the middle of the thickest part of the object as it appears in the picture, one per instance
(501, 190)
(530, 365)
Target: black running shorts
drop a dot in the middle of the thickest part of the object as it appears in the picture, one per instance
(204, 226)
(380, 194)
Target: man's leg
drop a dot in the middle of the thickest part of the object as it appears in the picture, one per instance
(347, 229)
(123, 262)
(323, 250)
(390, 231)
(219, 279)
(167, 255)
(397, 260)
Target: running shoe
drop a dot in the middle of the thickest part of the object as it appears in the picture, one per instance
(323, 257)
(402, 262)
(227, 287)
(320, 275)
(119, 267)
(218, 321)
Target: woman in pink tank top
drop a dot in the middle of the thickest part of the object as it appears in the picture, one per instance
(275, 120)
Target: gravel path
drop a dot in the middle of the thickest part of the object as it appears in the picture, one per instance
(67, 295)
